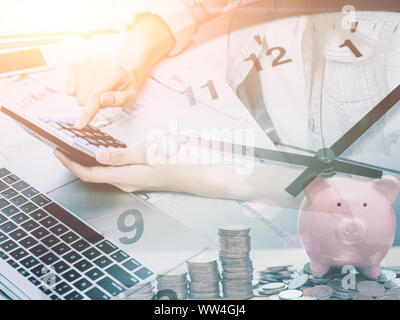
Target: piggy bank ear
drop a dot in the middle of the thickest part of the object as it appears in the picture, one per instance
(388, 186)
(316, 186)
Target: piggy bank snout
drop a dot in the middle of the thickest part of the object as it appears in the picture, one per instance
(351, 230)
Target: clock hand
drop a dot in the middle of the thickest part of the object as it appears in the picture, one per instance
(366, 165)
(343, 143)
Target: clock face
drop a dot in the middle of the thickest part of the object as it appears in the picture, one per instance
(310, 78)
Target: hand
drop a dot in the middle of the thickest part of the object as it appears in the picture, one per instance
(99, 84)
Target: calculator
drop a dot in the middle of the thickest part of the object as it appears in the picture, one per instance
(79, 145)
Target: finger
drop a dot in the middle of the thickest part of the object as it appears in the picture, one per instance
(118, 98)
(109, 81)
(142, 175)
(121, 157)
(70, 88)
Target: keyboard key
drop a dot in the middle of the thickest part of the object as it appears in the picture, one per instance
(3, 237)
(82, 284)
(3, 203)
(30, 192)
(70, 237)
(48, 222)
(94, 274)
(30, 225)
(97, 294)
(119, 256)
(9, 211)
(54, 297)
(110, 286)
(3, 255)
(107, 247)
(39, 214)
(29, 262)
(9, 193)
(83, 265)
(12, 178)
(8, 227)
(62, 288)
(28, 207)
(23, 271)
(50, 241)
(72, 256)
(58, 229)
(13, 263)
(35, 281)
(39, 233)
(122, 276)
(2, 219)
(19, 200)
(38, 271)
(41, 200)
(20, 218)
(19, 254)
(131, 264)
(80, 245)
(8, 245)
(28, 242)
(38, 250)
(20, 185)
(45, 290)
(17, 234)
(49, 258)
(102, 262)
(71, 275)
(73, 296)
(91, 253)
(4, 172)
(61, 248)
(61, 266)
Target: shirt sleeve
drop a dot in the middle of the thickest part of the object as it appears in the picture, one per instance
(188, 16)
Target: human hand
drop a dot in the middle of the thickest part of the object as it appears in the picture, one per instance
(99, 84)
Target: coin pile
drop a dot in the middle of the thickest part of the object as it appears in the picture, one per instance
(175, 281)
(204, 278)
(287, 283)
(237, 275)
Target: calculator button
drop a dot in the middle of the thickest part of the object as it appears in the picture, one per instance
(58, 229)
(102, 262)
(17, 234)
(12, 178)
(50, 241)
(94, 274)
(4, 172)
(3, 255)
(122, 276)
(91, 253)
(38, 214)
(29, 207)
(83, 265)
(107, 247)
(131, 264)
(9, 211)
(38, 250)
(49, 258)
(69, 237)
(60, 267)
(41, 200)
(24, 272)
(72, 256)
(20, 185)
(62, 288)
(8, 227)
(80, 245)
(48, 222)
(73, 296)
(3, 237)
(9, 193)
(35, 281)
(68, 133)
(119, 256)
(19, 200)
(110, 286)
(28, 242)
(30, 192)
(3, 219)
(97, 294)
(40, 233)
(29, 225)
(81, 141)
(61, 248)
(71, 275)
(29, 262)
(38, 271)
(83, 284)
(19, 218)
(143, 273)
(55, 125)
(19, 254)
(3, 203)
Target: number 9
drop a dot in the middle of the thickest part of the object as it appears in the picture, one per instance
(138, 225)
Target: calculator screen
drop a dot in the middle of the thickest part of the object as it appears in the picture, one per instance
(21, 60)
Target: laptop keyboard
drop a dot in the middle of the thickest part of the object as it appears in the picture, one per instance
(39, 237)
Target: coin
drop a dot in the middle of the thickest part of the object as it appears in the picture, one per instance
(393, 283)
(371, 288)
(321, 292)
(386, 275)
(273, 286)
(388, 297)
(360, 296)
(290, 294)
(298, 282)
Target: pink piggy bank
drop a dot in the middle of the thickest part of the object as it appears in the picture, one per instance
(345, 221)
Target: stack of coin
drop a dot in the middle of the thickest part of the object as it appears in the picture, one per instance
(284, 283)
(204, 278)
(237, 275)
(175, 281)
